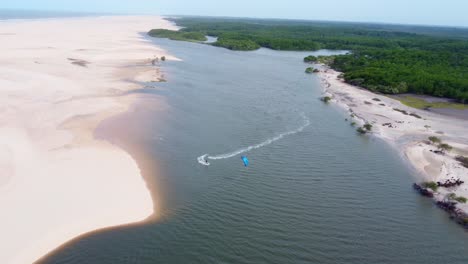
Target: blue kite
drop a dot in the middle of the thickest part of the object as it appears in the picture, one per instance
(245, 160)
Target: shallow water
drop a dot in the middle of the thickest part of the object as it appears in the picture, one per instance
(321, 195)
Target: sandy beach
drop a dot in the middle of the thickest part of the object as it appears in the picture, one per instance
(407, 133)
(59, 78)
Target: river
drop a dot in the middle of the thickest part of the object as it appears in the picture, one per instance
(315, 191)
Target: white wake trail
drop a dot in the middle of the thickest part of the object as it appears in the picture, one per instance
(204, 158)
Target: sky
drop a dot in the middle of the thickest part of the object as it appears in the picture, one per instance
(424, 12)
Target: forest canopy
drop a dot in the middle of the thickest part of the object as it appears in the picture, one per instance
(389, 59)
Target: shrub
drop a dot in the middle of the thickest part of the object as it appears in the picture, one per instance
(445, 147)
(415, 115)
(368, 127)
(163, 58)
(310, 59)
(361, 130)
(376, 99)
(435, 140)
(353, 123)
(431, 185)
(461, 199)
(326, 99)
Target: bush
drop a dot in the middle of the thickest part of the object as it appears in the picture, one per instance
(310, 59)
(368, 127)
(326, 99)
(431, 185)
(163, 58)
(416, 115)
(353, 123)
(435, 140)
(361, 130)
(445, 147)
(459, 199)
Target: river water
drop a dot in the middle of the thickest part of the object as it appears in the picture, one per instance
(315, 191)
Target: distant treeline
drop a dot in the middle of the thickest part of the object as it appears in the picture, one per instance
(385, 58)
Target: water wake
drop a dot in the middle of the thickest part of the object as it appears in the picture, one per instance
(204, 158)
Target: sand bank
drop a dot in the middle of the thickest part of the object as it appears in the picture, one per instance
(406, 132)
(59, 78)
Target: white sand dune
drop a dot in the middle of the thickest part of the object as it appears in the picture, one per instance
(58, 80)
(407, 133)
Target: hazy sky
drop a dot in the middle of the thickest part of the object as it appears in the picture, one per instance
(432, 12)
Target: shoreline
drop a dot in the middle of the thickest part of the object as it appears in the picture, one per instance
(57, 181)
(407, 132)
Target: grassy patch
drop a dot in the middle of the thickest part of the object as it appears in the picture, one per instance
(431, 185)
(419, 103)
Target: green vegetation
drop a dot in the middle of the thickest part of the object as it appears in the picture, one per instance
(368, 127)
(364, 129)
(326, 99)
(361, 130)
(163, 58)
(459, 199)
(463, 161)
(177, 35)
(353, 123)
(431, 185)
(310, 59)
(420, 103)
(445, 147)
(389, 59)
(235, 44)
(435, 140)
(311, 70)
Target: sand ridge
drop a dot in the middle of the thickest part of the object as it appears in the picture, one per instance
(59, 78)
